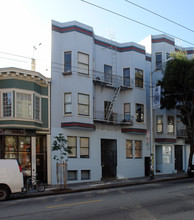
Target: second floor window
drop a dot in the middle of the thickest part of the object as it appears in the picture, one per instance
(37, 107)
(139, 78)
(67, 62)
(23, 105)
(83, 63)
(139, 113)
(67, 103)
(158, 61)
(159, 123)
(170, 124)
(126, 76)
(127, 111)
(83, 104)
(108, 73)
(7, 104)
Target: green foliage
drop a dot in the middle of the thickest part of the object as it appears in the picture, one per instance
(59, 144)
(178, 91)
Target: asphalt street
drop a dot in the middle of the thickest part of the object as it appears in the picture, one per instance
(161, 200)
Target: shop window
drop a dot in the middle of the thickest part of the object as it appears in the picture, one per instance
(67, 103)
(23, 105)
(108, 73)
(138, 149)
(84, 147)
(83, 104)
(170, 124)
(139, 78)
(158, 61)
(159, 123)
(72, 175)
(72, 142)
(85, 174)
(139, 113)
(67, 62)
(83, 63)
(126, 76)
(129, 149)
(7, 104)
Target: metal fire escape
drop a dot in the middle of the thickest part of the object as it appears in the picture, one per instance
(115, 82)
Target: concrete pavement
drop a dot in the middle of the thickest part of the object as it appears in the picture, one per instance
(103, 184)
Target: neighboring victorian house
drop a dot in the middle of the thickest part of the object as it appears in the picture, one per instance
(25, 120)
(99, 103)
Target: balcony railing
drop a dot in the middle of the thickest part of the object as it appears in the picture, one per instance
(116, 118)
(112, 80)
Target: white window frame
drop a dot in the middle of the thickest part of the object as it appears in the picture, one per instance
(158, 62)
(142, 119)
(83, 105)
(83, 63)
(66, 103)
(35, 109)
(137, 149)
(2, 103)
(139, 80)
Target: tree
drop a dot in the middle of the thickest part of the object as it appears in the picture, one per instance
(59, 144)
(178, 92)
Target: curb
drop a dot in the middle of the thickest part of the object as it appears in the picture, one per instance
(69, 190)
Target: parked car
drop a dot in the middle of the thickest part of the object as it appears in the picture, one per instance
(11, 178)
(190, 171)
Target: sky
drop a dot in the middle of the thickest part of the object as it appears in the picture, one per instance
(26, 24)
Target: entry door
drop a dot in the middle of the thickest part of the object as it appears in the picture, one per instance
(108, 158)
(178, 158)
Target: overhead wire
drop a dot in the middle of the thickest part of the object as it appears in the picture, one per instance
(161, 16)
(138, 22)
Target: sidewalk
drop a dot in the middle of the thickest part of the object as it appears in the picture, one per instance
(103, 184)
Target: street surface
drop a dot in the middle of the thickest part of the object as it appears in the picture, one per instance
(164, 200)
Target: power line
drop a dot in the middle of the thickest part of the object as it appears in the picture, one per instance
(152, 12)
(138, 22)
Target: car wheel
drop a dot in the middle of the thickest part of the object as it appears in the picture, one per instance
(4, 193)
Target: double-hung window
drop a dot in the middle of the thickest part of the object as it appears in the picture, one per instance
(37, 108)
(72, 142)
(83, 63)
(170, 124)
(67, 62)
(159, 123)
(7, 104)
(126, 77)
(67, 103)
(83, 104)
(138, 149)
(108, 73)
(158, 61)
(127, 111)
(139, 113)
(23, 105)
(84, 147)
(129, 149)
(138, 78)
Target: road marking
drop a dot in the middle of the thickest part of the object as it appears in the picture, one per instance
(78, 203)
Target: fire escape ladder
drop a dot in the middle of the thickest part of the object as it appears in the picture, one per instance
(110, 107)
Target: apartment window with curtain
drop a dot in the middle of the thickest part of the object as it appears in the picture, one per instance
(159, 61)
(83, 104)
(138, 149)
(127, 111)
(107, 73)
(84, 147)
(37, 108)
(170, 124)
(67, 62)
(83, 63)
(72, 142)
(67, 103)
(23, 105)
(139, 113)
(126, 77)
(159, 123)
(129, 149)
(7, 104)
(138, 78)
